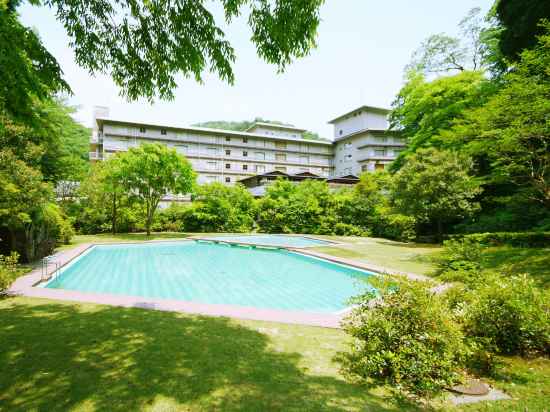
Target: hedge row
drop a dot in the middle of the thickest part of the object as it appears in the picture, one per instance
(518, 239)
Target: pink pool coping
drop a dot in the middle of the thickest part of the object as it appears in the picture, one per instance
(27, 286)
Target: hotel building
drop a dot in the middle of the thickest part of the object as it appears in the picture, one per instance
(361, 143)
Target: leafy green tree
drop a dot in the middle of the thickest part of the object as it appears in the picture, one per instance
(27, 70)
(511, 130)
(435, 187)
(152, 171)
(520, 20)
(23, 191)
(306, 207)
(443, 53)
(220, 208)
(424, 109)
(144, 45)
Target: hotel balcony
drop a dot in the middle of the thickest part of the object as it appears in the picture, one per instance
(96, 156)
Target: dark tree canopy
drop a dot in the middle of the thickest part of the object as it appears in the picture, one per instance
(144, 45)
(521, 22)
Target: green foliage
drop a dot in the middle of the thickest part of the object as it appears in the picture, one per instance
(27, 70)
(395, 226)
(170, 219)
(513, 314)
(8, 270)
(520, 20)
(511, 132)
(220, 208)
(424, 109)
(297, 208)
(408, 340)
(461, 260)
(150, 172)
(435, 187)
(145, 45)
(518, 239)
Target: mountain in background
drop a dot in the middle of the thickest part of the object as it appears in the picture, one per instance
(245, 124)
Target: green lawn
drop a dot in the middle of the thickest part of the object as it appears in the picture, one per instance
(85, 357)
(398, 256)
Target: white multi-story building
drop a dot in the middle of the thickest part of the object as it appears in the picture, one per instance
(361, 143)
(219, 155)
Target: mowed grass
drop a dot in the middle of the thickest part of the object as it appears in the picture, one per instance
(84, 357)
(394, 256)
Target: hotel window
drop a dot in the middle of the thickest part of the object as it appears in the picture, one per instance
(347, 158)
(304, 160)
(228, 180)
(181, 148)
(280, 169)
(380, 152)
(341, 131)
(364, 168)
(245, 167)
(228, 165)
(163, 132)
(211, 178)
(379, 166)
(347, 145)
(228, 152)
(280, 145)
(304, 169)
(142, 130)
(382, 139)
(280, 157)
(260, 169)
(245, 139)
(227, 139)
(211, 165)
(245, 153)
(212, 151)
(259, 155)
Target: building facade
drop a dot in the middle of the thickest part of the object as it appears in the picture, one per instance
(361, 143)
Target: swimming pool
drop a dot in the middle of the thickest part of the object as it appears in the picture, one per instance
(272, 240)
(214, 274)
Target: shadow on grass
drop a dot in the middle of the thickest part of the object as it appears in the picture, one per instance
(534, 261)
(58, 356)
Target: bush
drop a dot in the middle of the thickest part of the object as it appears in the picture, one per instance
(345, 229)
(396, 226)
(517, 239)
(460, 260)
(511, 313)
(8, 270)
(409, 341)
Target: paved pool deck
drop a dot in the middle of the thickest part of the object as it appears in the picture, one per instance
(27, 286)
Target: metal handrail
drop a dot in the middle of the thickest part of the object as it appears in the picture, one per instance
(46, 261)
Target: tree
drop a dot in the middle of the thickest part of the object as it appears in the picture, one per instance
(511, 130)
(220, 208)
(152, 171)
(27, 70)
(144, 45)
(520, 20)
(443, 53)
(23, 191)
(435, 187)
(424, 109)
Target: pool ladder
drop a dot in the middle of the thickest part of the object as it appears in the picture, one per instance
(46, 262)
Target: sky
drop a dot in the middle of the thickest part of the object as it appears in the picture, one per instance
(362, 48)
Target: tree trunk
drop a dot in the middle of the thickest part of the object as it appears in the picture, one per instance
(148, 220)
(114, 216)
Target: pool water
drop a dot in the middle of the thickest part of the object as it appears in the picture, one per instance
(216, 274)
(273, 240)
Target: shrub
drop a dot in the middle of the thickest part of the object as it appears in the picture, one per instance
(8, 270)
(517, 239)
(345, 229)
(395, 226)
(409, 341)
(460, 260)
(511, 313)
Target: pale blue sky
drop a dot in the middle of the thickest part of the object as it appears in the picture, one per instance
(363, 46)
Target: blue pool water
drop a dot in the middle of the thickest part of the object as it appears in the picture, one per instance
(214, 273)
(273, 240)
